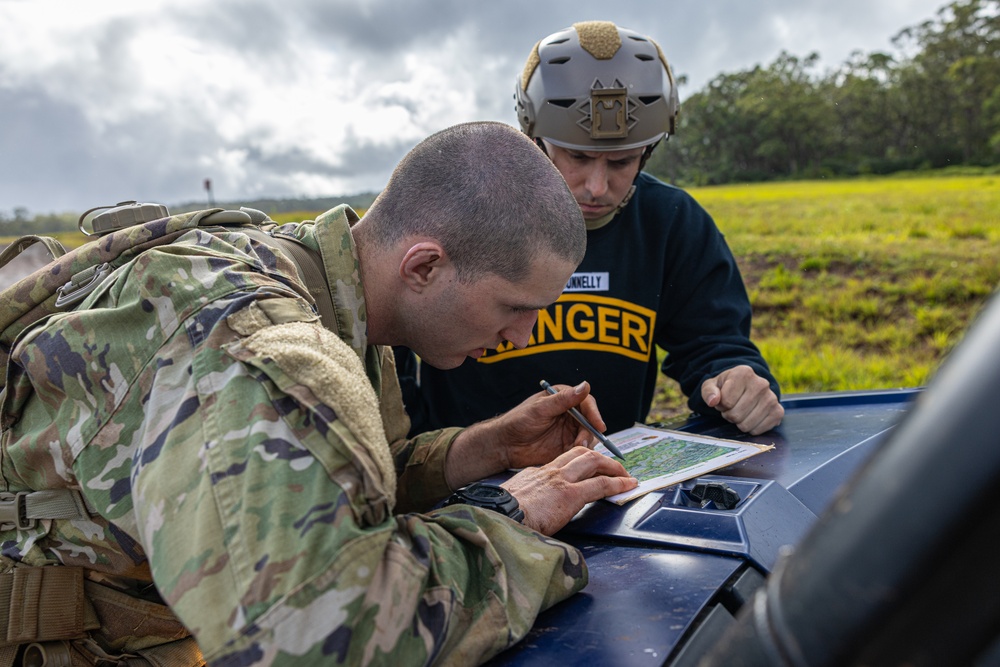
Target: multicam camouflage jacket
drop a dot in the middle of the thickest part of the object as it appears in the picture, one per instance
(248, 467)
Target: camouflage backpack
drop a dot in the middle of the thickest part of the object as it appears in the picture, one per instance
(47, 614)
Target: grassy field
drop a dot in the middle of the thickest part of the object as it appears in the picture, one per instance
(860, 284)
(857, 284)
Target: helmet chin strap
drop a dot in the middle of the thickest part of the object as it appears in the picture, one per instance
(646, 153)
(608, 217)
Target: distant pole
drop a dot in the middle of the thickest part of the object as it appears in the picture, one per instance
(208, 189)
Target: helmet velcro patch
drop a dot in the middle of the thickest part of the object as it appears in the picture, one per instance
(599, 38)
(529, 66)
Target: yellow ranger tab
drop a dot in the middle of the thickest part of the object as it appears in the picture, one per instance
(587, 322)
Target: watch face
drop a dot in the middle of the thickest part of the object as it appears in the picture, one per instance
(486, 492)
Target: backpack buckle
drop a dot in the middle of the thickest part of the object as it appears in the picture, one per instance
(13, 511)
(74, 292)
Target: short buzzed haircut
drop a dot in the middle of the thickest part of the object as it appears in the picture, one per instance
(488, 195)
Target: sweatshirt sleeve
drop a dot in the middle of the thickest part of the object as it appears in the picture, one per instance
(707, 329)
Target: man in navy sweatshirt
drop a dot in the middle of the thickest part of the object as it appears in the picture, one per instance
(598, 98)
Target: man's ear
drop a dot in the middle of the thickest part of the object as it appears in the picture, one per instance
(422, 264)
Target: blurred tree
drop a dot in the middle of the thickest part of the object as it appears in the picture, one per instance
(934, 103)
(955, 74)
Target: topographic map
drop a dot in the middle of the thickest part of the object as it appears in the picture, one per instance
(664, 456)
(659, 458)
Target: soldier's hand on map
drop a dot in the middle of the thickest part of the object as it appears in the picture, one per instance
(541, 428)
(532, 433)
(743, 398)
(552, 494)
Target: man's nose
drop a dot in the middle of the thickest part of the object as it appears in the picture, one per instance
(519, 333)
(597, 179)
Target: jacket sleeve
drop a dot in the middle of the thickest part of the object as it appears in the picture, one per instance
(707, 329)
(262, 487)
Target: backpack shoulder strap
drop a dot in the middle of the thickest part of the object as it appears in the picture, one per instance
(310, 269)
(55, 248)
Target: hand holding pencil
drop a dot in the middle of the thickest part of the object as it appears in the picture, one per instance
(587, 425)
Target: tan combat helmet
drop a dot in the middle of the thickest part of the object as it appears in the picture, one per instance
(597, 86)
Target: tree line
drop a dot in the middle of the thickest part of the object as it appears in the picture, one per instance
(21, 221)
(933, 102)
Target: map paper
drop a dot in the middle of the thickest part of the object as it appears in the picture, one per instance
(660, 458)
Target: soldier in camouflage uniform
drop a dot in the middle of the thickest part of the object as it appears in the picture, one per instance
(245, 470)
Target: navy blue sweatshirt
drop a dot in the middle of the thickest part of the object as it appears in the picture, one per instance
(658, 274)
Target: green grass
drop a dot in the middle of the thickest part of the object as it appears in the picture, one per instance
(858, 284)
(296, 216)
(69, 240)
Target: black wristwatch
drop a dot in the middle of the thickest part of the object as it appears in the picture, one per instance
(488, 496)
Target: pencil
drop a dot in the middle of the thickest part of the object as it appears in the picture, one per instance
(586, 424)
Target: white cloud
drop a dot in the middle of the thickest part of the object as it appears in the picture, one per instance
(109, 100)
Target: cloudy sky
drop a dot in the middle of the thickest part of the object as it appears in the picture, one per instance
(108, 100)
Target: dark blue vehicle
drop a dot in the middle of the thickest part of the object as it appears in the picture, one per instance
(868, 536)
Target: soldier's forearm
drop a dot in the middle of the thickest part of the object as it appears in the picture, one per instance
(474, 455)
